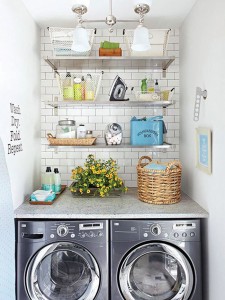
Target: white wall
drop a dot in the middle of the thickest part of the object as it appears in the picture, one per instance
(20, 84)
(202, 64)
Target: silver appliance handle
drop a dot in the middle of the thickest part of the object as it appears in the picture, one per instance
(124, 273)
(31, 276)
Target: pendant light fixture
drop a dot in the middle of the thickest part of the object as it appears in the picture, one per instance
(141, 33)
(80, 36)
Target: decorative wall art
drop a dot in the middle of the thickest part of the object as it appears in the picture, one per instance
(204, 150)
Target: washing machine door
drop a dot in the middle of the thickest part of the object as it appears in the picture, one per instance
(156, 271)
(62, 271)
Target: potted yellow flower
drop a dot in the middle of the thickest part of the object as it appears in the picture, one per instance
(96, 178)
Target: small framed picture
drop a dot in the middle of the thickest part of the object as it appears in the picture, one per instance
(204, 149)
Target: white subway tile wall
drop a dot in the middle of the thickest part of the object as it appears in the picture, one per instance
(97, 118)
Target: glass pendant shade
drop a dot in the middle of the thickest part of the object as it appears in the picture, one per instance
(80, 40)
(141, 39)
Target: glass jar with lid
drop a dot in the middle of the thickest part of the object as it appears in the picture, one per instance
(113, 134)
(66, 129)
(81, 131)
(89, 134)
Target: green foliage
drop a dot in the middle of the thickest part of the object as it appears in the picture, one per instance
(97, 174)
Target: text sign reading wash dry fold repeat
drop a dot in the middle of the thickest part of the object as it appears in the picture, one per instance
(15, 144)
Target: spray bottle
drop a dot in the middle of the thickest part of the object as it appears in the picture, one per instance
(144, 86)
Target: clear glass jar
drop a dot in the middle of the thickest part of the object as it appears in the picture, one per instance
(66, 129)
(81, 131)
(113, 134)
(89, 134)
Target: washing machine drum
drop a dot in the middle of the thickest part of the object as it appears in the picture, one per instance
(62, 271)
(156, 271)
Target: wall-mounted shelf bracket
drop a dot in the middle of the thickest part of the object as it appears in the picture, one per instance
(56, 111)
(199, 94)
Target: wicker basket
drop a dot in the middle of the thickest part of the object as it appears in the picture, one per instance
(159, 186)
(70, 142)
(62, 40)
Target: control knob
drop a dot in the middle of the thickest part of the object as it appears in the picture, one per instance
(62, 230)
(91, 235)
(156, 229)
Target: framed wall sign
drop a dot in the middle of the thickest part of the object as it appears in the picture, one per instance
(204, 149)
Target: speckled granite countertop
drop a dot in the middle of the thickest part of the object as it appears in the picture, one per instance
(124, 207)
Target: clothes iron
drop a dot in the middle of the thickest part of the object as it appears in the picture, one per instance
(118, 90)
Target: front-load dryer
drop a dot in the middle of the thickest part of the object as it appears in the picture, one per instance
(155, 260)
(62, 260)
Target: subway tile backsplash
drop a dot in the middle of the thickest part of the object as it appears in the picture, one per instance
(96, 118)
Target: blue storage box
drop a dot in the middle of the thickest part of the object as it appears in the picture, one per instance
(147, 131)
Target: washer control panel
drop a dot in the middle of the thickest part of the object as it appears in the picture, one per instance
(75, 230)
(174, 230)
(91, 230)
(185, 230)
(145, 230)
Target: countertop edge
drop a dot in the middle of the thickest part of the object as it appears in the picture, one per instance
(110, 216)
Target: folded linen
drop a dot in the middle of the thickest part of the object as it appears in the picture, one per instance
(109, 45)
(153, 166)
(42, 195)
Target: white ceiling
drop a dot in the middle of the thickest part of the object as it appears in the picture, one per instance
(163, 14)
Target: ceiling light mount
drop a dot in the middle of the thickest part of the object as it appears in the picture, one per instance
(110, 20)
(79, 9)
(142, 9)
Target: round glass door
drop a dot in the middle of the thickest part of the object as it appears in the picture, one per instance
(63, 271)
(156, 271)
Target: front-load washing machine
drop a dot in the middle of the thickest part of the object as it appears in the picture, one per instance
(155, 260)
(62, 260)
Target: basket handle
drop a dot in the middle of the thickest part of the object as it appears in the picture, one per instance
(144, 157)
(50, 136)
(173, 163)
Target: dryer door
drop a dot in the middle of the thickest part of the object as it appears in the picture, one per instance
(62, 271)
(156, 271)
